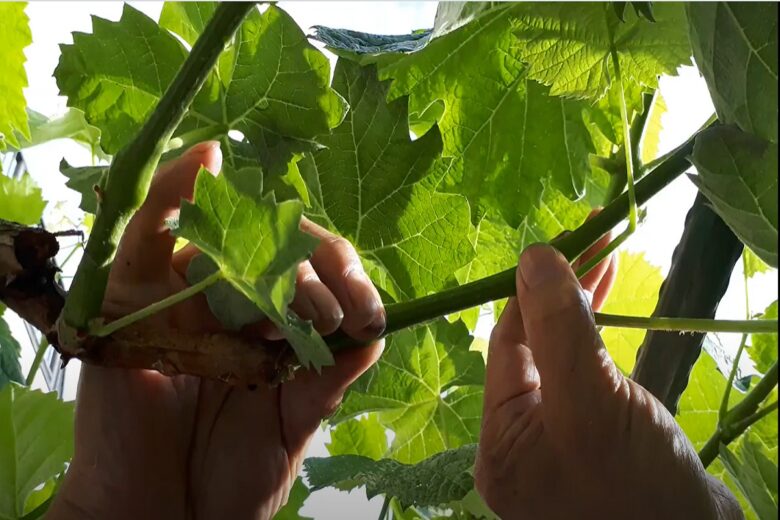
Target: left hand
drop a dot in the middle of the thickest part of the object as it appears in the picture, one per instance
(150, 446)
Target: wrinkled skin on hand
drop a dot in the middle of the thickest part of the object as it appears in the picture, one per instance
(150, 446)
(564, 433)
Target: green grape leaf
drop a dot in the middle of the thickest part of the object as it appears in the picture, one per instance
(257, 245)
(651, 136)
(229, 306)
(363, 436)
(70, 125)
(738, 174)
(36, 440)
(21, 200)
(697, 413)
(10, 351)
(735, 47)
(427, 388)
(16, 36)
(270, 84)
(763, 347)
(503, 131)
(753, 264)
(454, 15)
(187, 19)
(635, 293)
(84, 179)
(366, 186)
(569, 46)
(298, 495)
(751, 467)
(437, 480)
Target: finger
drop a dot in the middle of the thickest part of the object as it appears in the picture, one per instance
(311, 397)
(147, 245)
(574, 367)
(338, 266)
(182, 258)
(605, 285)
(510, 366)
(313, 301)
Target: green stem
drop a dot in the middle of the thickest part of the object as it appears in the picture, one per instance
(502, 285)
(724, 404)
(629, 152)
(131, 171)
(385, 509)
(751, 419)
(192, 290)
(686, 324)
(739, 418)
(43, 345)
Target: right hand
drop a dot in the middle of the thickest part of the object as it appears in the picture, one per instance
(564, 433)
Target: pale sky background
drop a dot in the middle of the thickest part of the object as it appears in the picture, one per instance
(52, 23)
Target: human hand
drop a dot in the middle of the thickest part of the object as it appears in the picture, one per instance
(564, 433)
(150, 446)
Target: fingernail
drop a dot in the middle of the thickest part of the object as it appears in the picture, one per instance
(204, 147)
(377, 327)
(539, 264)
(588, 295)
(360, 291)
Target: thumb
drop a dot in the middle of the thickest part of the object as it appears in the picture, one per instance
(575, 370)
(147, 245)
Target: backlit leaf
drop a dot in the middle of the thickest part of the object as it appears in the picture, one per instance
(569, 46)
(16, 36)
(10, 351)
(21, 200)
(36, 440)
(426, 387)
(366, 186)
(363, 436)
(763, 347)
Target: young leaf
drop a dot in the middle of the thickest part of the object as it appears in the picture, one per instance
(763, 347)
(298, 495)
(357, 43)
(364, 436)
(738, 174)
(271, 85)
(427, 388)
(70, 125)
(257, 245)
(366, 187)
(635, 293)
(753, 264)
(503, 131)
(442, 478)
(10, 351)
(85, 179)
(735, 46)
(36, 440)
(16, 36)
(21, 200)
(754, 472)
(568, 46)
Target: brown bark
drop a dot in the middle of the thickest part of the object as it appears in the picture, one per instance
(28, 287)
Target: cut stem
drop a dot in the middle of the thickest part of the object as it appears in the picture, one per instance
(131, 172)
(192, 290)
